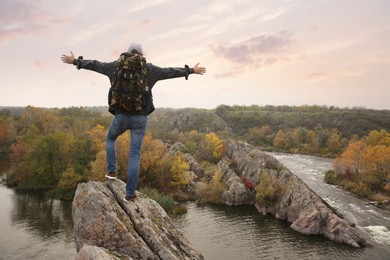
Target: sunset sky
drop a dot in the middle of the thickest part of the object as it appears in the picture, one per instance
(262, 52)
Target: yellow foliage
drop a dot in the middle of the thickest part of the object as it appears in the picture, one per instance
(375, 137)
(69, 179)
(98, 137)
(267, 191)
(152, 152)
(215, 146)
(387, 188)
(155, 165)
(3, 131)
(350, 159)
(178, 169)
(211, 192)
(99, 167)
(280, 140)
(334, 142)
(369, 158)
(122, 154)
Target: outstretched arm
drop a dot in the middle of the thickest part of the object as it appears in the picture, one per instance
(68, 58)
(106, 68)
(199, 70)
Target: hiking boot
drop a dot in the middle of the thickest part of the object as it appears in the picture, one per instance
(128, 198)
(111, 175)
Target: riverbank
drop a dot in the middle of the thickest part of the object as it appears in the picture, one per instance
(372, 222)
(37, 227)
(219, 232)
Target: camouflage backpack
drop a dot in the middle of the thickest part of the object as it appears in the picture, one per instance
(129, 92)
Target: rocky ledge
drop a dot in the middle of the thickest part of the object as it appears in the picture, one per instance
(284, 195)
(106, 227)
(244, 167)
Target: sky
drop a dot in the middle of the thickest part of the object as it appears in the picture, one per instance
(256, 52)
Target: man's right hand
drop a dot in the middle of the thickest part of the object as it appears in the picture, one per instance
(68, 58)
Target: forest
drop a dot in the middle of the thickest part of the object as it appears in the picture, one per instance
(57, 148)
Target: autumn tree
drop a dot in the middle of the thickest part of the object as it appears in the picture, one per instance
(192, 141)
(334, 143)
(375, 162)
(211, 148)
(260, 136)
(350, 159)
(211, 192)
(375, 137)
(98, 167)
(122, 155)
(268, 191)
(296, 136)
(179, 167)
(280, 140)
(368, 161)
(155, 165)
(3, 132)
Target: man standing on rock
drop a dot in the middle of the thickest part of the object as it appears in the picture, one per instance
(130, 114)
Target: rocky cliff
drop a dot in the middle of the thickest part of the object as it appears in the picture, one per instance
(106, 227)
(284, 195)
(244, 168)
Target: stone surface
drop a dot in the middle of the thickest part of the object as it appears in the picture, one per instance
(192, 162)
(93, 252)
(298, 204)
(139, 229)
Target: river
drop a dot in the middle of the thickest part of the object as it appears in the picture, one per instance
(33, 226)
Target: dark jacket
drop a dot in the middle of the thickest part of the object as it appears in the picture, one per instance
(154, 74)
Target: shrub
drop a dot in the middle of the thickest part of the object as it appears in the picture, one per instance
(69, 179)
(179, 209)
(211, 192)
(331, 177)
(361, 189)
(268, 191)
(378, 197)
(165, 201)
(62, 193)
(387, 188)
(247, 183)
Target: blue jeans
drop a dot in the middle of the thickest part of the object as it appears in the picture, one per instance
(137, 126)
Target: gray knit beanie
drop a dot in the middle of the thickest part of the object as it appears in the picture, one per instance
(135, 47)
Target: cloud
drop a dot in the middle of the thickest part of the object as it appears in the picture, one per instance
(332, 76)
(91, 32)
(142, 5)
(261, 50)
(42, 64)
(19, 18)
(317, 76)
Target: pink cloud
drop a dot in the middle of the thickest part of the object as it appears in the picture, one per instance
(146, 22)
(42, 64)
(261, 49)
(25, 18)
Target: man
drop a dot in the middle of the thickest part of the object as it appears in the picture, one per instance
(123, 120)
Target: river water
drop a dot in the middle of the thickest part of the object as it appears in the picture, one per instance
(33, 226)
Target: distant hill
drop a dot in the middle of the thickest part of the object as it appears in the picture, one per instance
(239, 119)
(16, 111)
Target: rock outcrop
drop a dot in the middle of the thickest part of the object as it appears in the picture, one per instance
(242, 169)
(106, 227)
